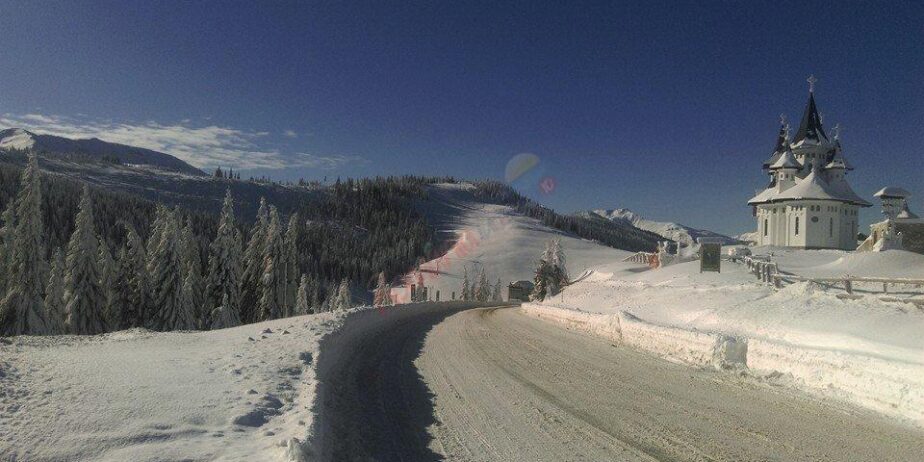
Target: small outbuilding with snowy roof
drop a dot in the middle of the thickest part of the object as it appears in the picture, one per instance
(808, 203)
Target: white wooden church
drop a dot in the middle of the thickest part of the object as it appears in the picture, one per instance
(808, 203)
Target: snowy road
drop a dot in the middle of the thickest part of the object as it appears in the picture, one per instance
(495, 385)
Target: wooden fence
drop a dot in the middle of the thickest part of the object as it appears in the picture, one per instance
(769, 272)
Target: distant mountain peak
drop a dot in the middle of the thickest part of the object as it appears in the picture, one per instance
(16, 138)
(668, 230)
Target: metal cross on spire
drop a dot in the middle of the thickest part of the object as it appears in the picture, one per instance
(811, 80)
(837, 130)
(782, 119)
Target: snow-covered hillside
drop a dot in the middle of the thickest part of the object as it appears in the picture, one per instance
(672, 231)
(50, 146)
(867, 351)
(495, 238)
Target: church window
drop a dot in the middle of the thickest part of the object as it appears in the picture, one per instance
(765, 226)
(830, 227)
(797, 226)
(814, 219)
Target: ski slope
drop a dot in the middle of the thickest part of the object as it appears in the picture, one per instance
(495, 238)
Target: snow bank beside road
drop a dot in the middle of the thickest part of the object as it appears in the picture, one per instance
(231, 394)
(869, 351)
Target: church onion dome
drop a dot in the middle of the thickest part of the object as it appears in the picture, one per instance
(782, 144)
(892, 192)
(786, 160)
(814, 187)
(810, 130)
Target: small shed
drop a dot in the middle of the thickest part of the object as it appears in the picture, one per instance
(519, 290)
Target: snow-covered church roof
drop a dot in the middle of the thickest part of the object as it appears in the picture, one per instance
(812, 187)
(782, 145)
(892, 191)
(786, 160)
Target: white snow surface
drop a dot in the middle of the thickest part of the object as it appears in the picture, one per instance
(668, 230)
(234, 394)
(868, 351)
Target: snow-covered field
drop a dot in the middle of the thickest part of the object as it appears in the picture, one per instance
(234, 394)
(867, 351)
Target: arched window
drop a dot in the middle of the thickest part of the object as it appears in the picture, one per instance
(765, 226)
(830, 227)
(797, 226)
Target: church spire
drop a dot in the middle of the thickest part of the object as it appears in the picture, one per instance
(810, 127)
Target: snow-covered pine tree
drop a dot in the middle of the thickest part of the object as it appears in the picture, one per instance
(107, 277)
(483, 292)
(344, 299)
(192, 275)
(54, 295)
(293, 231)
(22, 309)
(251, 289)
(136, 310)
(84, 298)
(120, 295)
(161, 214)
(497, 296)
(224, 315)
(466, 285)
(557, 259)
(273, 282)
(224, 278)
(8, 222)
(169, 310)
(302, 297)
(380, 295)
(542, 278)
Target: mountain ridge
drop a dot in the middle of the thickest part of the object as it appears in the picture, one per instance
(22, 139)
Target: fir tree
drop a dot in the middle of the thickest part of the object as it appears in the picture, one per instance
(251, 289)
(224, 278)
(107, 279)
(192, 275)
(541, 280)
(224, 315)
(293, 231)
(135, 296)
(466, 286)
(54, 295)
(483, 292)
(273, 283)
(344, 299)
(170, 312)
(380, 296)
(302, 297)
(85, 299)
(8, 220)
(22, 309)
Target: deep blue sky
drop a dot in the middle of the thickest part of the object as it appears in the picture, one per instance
(666, 108)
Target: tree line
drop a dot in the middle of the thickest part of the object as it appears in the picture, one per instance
(190, 272)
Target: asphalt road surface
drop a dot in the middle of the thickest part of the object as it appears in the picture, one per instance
(497, 385)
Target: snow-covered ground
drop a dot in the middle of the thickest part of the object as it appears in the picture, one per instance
(234, 394)
(494, 237)
(867, 351)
